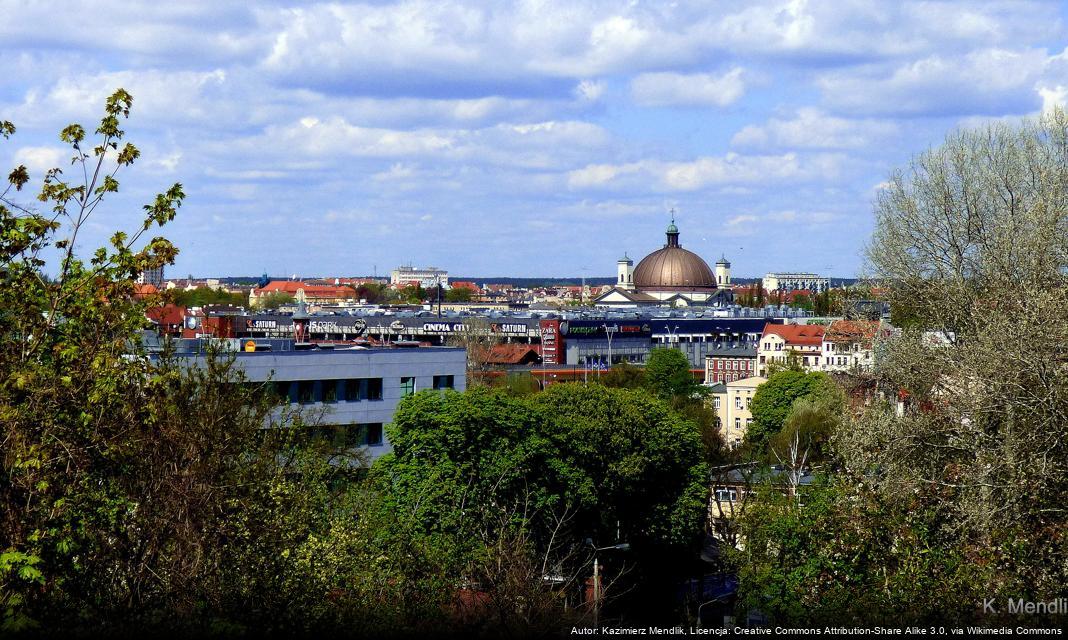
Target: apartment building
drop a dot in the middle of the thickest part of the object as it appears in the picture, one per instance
(732, 401)
(781, 341)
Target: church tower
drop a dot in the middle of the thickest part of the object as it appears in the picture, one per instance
(625, 273)
(723, 272)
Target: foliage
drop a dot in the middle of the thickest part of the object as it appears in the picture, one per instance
(203, 296)
(848, 555)
(624, 376)
(274, 300)
(954, 496)
(373, 292)
(459, 294)
(773, 401)
(667, 372)
(411, 294)
(570, 463)
(811, 423)
(143, 494)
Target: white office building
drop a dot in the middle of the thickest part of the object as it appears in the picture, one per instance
(427, 277)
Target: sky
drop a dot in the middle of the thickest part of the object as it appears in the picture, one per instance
(518, 139)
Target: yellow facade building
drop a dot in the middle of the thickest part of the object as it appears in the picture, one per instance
(732, 401)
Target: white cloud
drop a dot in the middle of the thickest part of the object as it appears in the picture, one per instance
(695, 89)
(740, 220)
(40, 159)
(811, 128)
(1053, 97)
(982, 82)
(730, 169)
(596, 175)
(590, 90)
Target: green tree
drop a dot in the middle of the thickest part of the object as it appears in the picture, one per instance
(774, 400)
(624, 376)
(202, 296)
(949, 498)
(843, 556)
(811, 422)
(274, 300)
(146, 494)
(667, 372)
(558, 467)
(412, 294)
(459, 294)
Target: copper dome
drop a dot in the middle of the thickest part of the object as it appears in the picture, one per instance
(673, 268)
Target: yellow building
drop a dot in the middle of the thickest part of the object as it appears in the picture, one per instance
(732, 401)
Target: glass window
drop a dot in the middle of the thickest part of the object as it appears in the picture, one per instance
(715, 403)
(281, 389)
(443, 382)
(748, 401)
(407, 386)
(330, 390)
(737, 423)
(352, 390)
(374, 388)
(357, 389)
(363, 435)
(737, 402)
(306, 391)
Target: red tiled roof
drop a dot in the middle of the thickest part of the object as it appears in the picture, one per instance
(166, 315)
(799, 334)
(464, 284)
(853, 331)
(310, 290)
(142, 290)
(512, 354)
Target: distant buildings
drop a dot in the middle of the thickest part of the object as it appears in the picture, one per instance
(352, 391)
(779, 342)
(848, 345)
(314, 294)
(784, 282)
(425, 277)
(730, 360)
(671, 277)
(153, 277)
(358, 389)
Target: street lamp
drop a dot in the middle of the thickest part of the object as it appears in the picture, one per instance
(608, 332)
(623, 546)
(673, 334)
(719, 599)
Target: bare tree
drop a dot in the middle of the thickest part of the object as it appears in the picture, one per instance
(972, 238)
(477, 337)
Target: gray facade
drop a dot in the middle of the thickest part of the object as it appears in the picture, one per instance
(359, 389)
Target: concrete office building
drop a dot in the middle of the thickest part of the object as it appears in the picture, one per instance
(358, 388)
(153, 277)
(795, 282)
(426, 277)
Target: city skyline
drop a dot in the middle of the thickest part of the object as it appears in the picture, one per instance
(538, 140)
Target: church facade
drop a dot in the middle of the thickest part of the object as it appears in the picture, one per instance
(669, 277)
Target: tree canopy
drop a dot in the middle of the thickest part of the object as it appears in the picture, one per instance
(608, 462)
(667, 372)
(946, 491)
(774, 400)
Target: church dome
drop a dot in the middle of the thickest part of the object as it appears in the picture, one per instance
(673, 268)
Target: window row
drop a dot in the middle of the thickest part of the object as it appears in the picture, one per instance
(329, 391)
(349, 435)
(733, 364)
(348, 390)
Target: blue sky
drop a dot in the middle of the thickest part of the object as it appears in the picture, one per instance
(527, 139)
